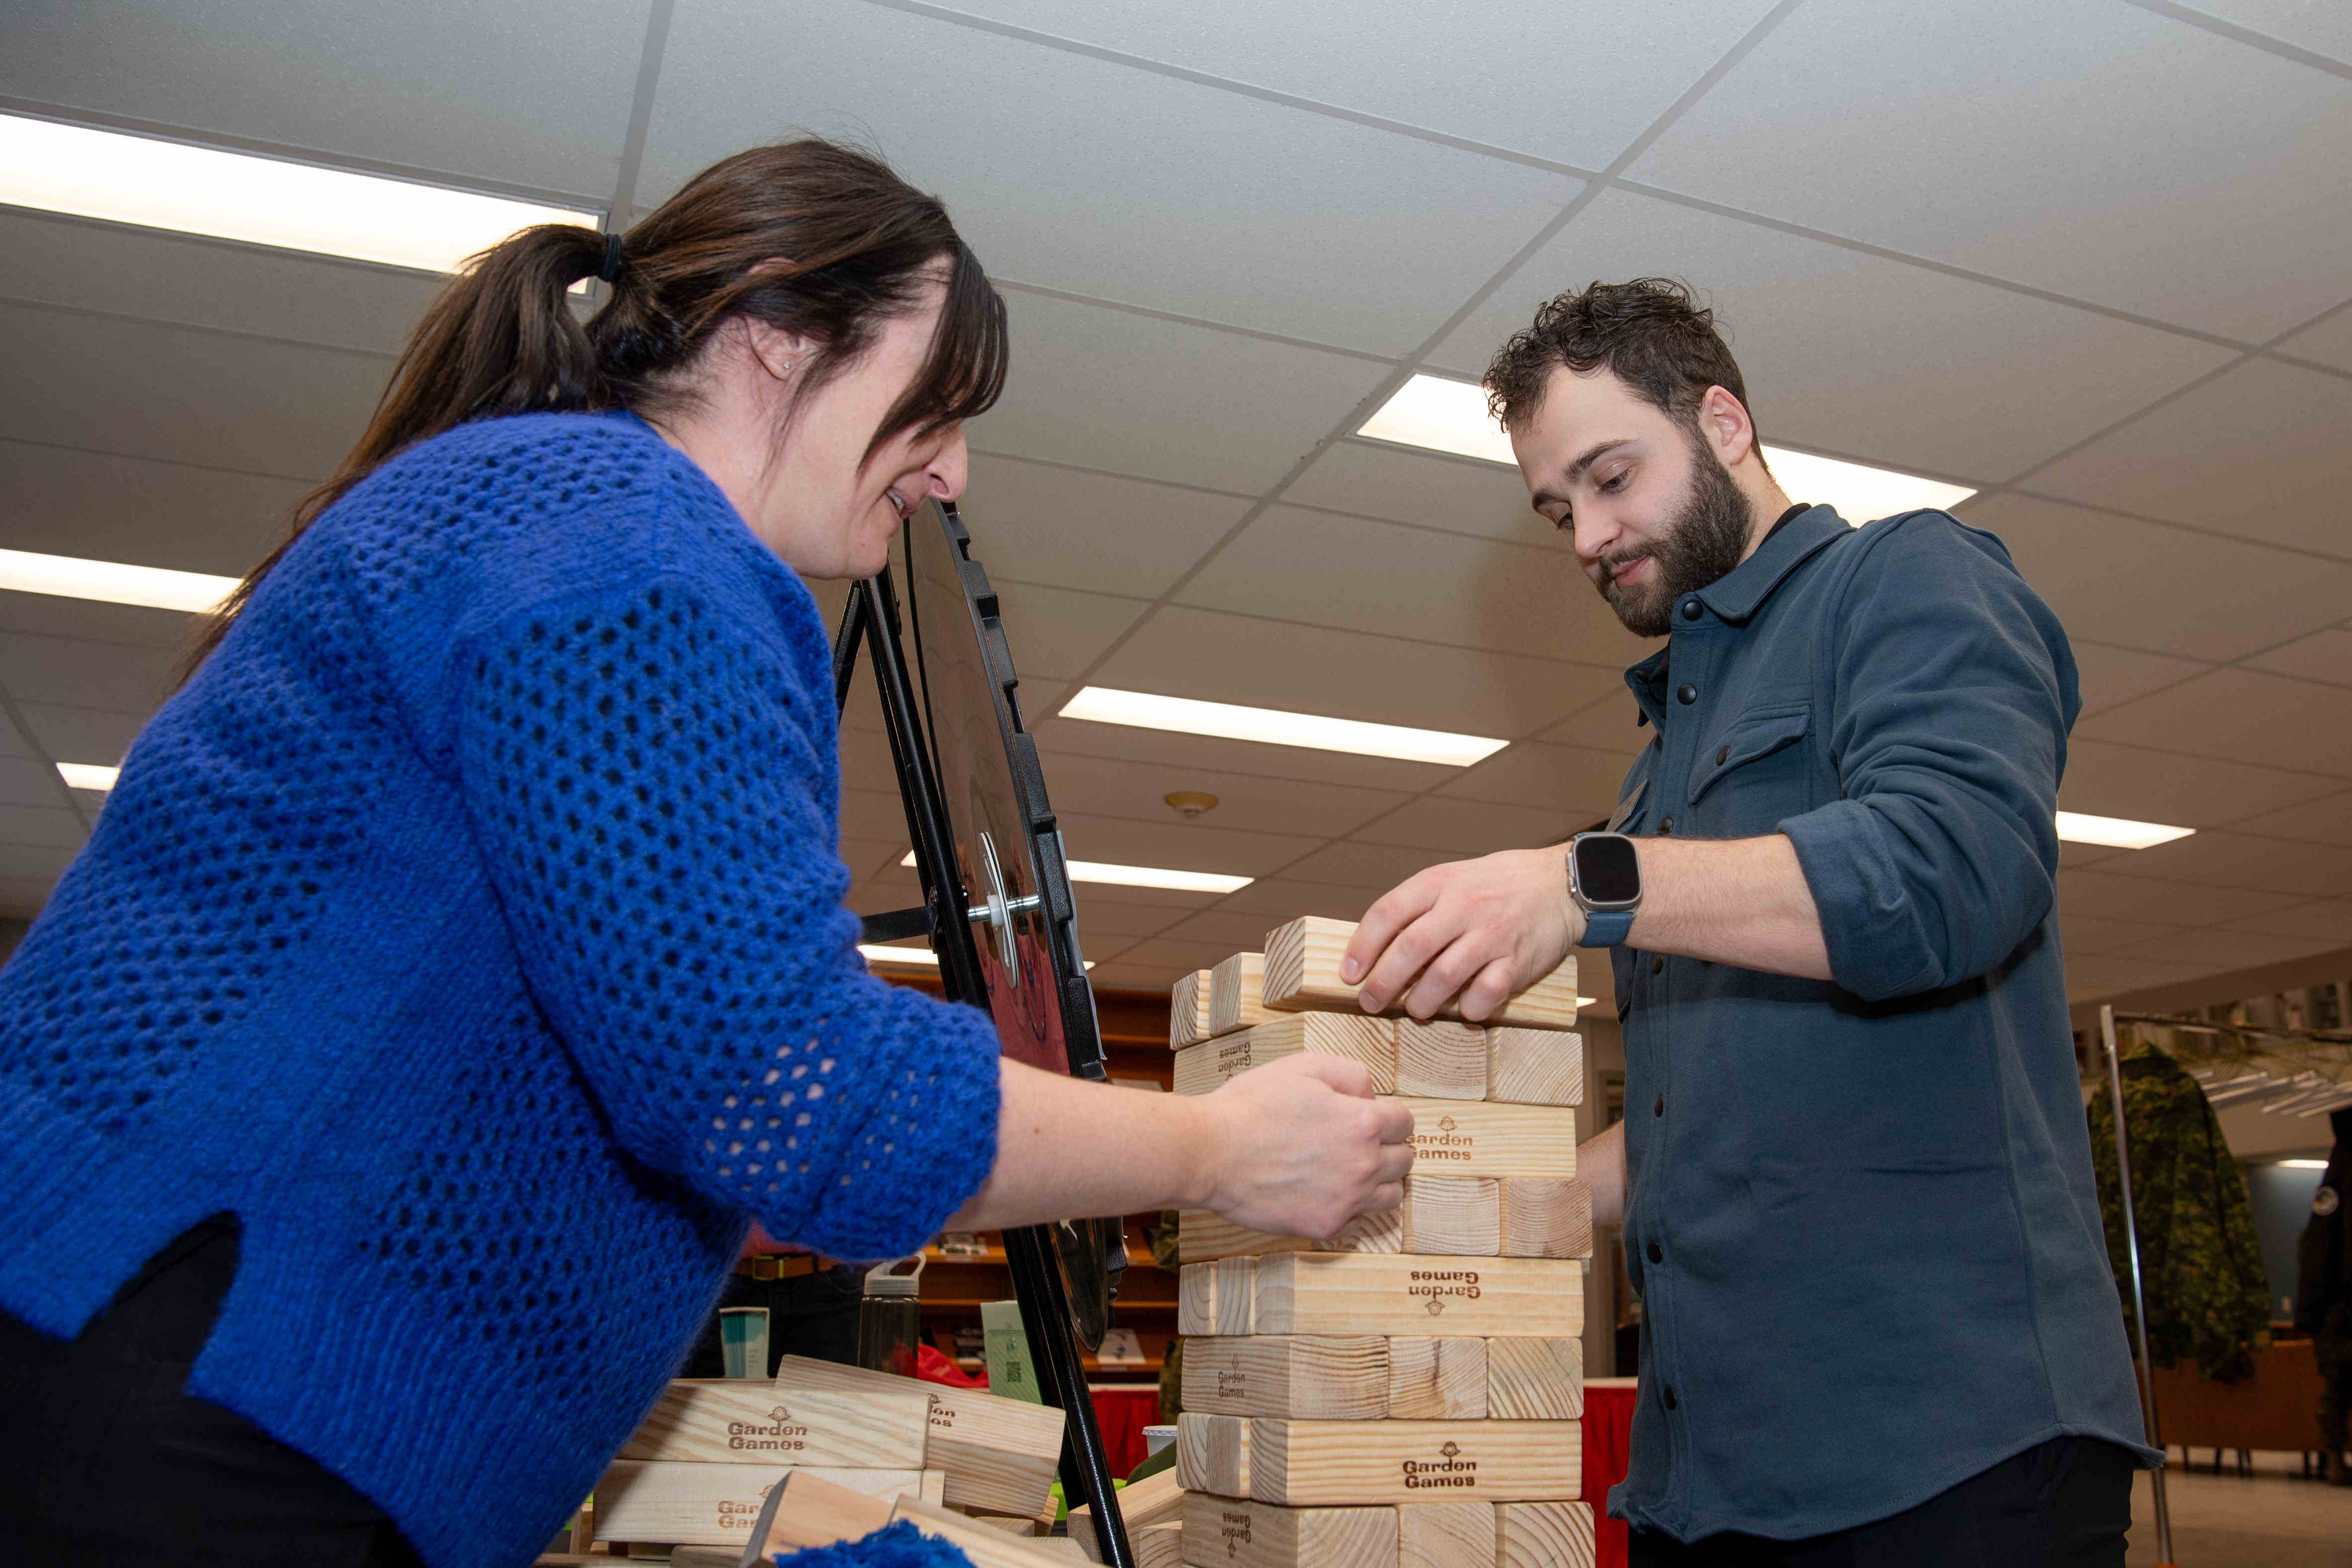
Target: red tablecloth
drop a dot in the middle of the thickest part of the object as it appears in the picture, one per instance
(1607, 1447)
(1124, 1412)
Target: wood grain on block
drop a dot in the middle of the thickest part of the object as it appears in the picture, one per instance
(1236, 1278)
(1155, 1500)
(1441, 1059)
(1203, 1236)
(1543, 1535)
(1234, 994)
(1157, 1545)
(1361, 1293)
(987, 1548)
(814, 1512)
(1459, 1215)
(1188, 1011)
(691, 1502)
(1432, 1378)
(1445, 1535)
(1371, 1041)
(1535, 1379)
(1473, 1138)
(1311, 1464)
(748, 1420)
(1213, 1454)
(1302, 974)
(1232, 1532)
(1535, 1066)
(1196, 1297)
(1336, 1377)
(1547, 1218)
(998, 1454)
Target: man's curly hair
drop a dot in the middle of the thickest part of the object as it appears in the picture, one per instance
(1651, 333)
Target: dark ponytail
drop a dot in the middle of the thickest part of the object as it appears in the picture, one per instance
(810, 236)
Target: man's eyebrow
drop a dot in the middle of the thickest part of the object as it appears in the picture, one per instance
(1590, 455)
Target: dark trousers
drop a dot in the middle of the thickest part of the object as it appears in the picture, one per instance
(107, 1459)
(2065, 1504)
(812, 1315)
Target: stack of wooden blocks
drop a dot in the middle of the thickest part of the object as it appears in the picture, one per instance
(1408, 1394)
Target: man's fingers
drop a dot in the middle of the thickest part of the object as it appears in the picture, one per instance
(1446, 975)
(1397, 908)
(1489, 991)
(1419, 942)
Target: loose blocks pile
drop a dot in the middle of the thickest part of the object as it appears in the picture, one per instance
(1407, 1393)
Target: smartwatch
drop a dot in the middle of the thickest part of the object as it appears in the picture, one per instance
(1604, 877)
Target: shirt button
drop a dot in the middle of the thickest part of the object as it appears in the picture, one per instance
(1657, 967)
(1686, 694)
(1690, 609)
(1667, 826)
(1667, 1393)
(1657, 1253)
(1722, 755)
(1659, 1108)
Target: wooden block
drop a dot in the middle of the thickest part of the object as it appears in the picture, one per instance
(1535, 1066)
(1234, 1299)
(1213, 1454)
(1460, 1216)
(1202, 1237)
(1302, 974)
(704, 1504)
(1547, 1218)
(1230, 1532)
(1441, 1059)
(1304, 1376)
(1188, 1011)
(1011, 1523)
(999, 1454)
(1157, 1545)
(1437, 1379)
(1472, 1138)
(1371, 1041)
(1156, 1502)
(747, 1419)
(1445, 1535)
(987, 1548)
(1196, 1298)
(1233, 991)
(1543, 1535)
(1324, 1464)
(814, 1512)
(1535, 1379)
(1359, 1293)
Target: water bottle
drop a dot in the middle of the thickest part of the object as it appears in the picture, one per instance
(890, 1317)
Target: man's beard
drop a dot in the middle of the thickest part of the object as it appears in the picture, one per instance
(1708, 538)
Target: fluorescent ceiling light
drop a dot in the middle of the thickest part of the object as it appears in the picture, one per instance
(1103, 705)
(71, 578)
(108, 175)
(2115, 832)
(88, 776)
(876, 953)
(1144, 877)
(1447, 416)
(1586, 1001)
(2303, 1164)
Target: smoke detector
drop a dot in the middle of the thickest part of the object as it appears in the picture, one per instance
(1189, 804)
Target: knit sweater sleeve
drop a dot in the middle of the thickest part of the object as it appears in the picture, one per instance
(643, 772)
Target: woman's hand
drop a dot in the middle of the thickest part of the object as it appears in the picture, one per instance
(1301, 1147)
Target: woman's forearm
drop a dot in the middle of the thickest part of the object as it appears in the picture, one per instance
(1067, 1149)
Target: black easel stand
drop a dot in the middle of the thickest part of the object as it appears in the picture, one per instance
(872, 618)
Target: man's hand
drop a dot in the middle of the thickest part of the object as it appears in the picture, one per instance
(1483, 928)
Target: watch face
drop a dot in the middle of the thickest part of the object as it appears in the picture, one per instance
(1606, 870)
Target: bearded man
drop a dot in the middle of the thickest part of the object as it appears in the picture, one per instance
(1854, 1178)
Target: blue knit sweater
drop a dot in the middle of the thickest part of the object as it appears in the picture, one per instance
(471, 927)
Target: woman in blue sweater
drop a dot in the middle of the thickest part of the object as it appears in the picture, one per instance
(461, 965)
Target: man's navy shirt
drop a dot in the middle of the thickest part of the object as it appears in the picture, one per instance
(1860, 1211)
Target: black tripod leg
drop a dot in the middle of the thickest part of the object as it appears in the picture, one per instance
(1062, 1378)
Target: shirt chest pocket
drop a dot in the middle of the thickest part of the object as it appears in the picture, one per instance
(1756, 771)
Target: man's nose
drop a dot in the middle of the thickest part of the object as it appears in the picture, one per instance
(1594, 534)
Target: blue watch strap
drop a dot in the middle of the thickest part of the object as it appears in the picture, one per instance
(1606, 927)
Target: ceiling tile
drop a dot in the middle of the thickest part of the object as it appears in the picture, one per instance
(1181, 845)
(491, 90)
(1460, 495)
(2322, 29)
(2102, 895)
(1351, 675)
(33, 862)
(869, 856)
(1105, 922)
(875, 815)
(1609, 723)
(82, 674)
(1963, 378)
(1379, 866)
(1468, 827)
(2241, 715)
(1235, 931)
(182, 394)
(2326, 920)
(87, 504)
(27, 781)
(2221, 949)
(2080, 936)
(2188, 157)
(2094, 979)
(2114, 675)
(1159, 954)
(1383, 577)
(53, 827)
(2137, 584)
(1103, 388)
(1058, 632)
(1102, 786)
(2325, 820)
(2328, 341)
(2323, 656)
(1577, 782)
(1040, 522)
(1278, 900)
(21, 898)
(2110, 780)
(81, 734)
(1058, 738)
(1138, 977)
(2072, 854)
(2222, 859)
(2258, 452)
(1422, 67)
(1077, 173)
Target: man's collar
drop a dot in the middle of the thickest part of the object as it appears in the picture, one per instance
(1799, 532)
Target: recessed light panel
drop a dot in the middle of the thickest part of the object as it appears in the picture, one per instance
(1142, 876)
(1442, 414)
(913, 957)
(1274, 726)
(108, 175)
(2116, 832)
(151, 586)
(88, 776)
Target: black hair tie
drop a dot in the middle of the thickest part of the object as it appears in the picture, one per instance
(611, 270)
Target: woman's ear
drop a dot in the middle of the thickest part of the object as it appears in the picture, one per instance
(776, 352)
